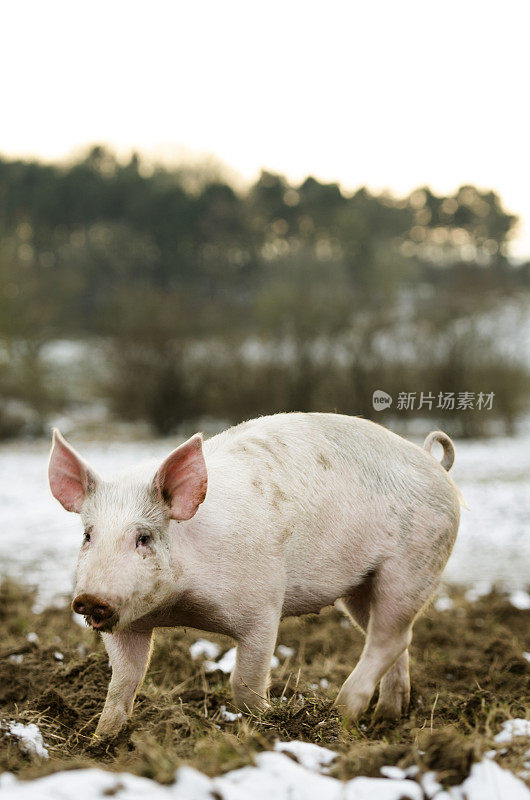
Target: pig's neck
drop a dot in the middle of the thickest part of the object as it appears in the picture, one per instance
(195, 588)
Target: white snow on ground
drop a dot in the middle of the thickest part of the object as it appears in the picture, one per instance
(511, 729)
(493, 545)
(309, 755)
(488, 780)
(39, 540)
(284, 651)
(85, 784)
(430, 785)
(229, 716)
(275, 775)
(520, 599)
(227, 662)
(478, 590)
(28, 736)
(398, 774)
(443, 603)
(203, 647)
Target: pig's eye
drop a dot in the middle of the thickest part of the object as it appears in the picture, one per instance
(86, 537)
(143, 539)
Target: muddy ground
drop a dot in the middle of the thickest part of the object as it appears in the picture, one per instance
(468, 676)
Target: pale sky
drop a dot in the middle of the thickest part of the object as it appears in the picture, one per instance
(385, 94)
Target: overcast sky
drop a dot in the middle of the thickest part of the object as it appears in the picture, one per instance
(385, 94)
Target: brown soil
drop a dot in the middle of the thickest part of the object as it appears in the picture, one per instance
(468, 676)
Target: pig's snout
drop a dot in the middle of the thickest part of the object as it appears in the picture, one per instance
(97, 610)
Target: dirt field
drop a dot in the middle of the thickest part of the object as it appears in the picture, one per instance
(468, 672)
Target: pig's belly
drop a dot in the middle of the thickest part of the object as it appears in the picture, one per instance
(328, 564)
(310, 593)
(312, 598)
(298, 602)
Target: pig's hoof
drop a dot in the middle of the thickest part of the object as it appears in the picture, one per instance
(352, 704)
(247, 700)
(252, 707)
(352, 709)
(387, 714)
(111, 724)
(250, 703)
(107, 734)
(391, 709)
(100, 740)
(99, 746)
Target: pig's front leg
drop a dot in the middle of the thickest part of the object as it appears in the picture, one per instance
(129, 655)
(250, 678)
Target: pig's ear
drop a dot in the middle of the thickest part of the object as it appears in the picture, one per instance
(69, 475)
(182, 479)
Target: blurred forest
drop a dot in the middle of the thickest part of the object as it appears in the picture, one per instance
(186, 298)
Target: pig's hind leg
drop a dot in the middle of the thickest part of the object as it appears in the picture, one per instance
(129, 655)
(394, 604)
(394, 689)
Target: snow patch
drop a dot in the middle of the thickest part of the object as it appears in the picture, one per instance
(443, 603)
(396, 773)
(28, 736)
(489, 781)
(430, 785)
(190, 784)
(311, 756)
(229, 716)
(520, 599)
(511, 729)
(89, 784)
(203, 647)
(227, 662)
(275, 775)
(478, 590)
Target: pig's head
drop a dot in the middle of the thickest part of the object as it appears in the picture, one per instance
(124, 564)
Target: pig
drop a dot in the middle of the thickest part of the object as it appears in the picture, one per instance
(278, 516)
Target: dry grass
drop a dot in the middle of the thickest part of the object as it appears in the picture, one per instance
(468, 676)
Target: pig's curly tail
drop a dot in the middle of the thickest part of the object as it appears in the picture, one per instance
(449, 449)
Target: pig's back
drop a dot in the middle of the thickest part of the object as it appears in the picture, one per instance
(313, 447)
(322, 463)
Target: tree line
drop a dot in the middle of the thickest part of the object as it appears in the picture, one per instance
(206, 298)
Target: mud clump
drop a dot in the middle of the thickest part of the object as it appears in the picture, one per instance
(450, 754)
(468, 675)
(52, 704)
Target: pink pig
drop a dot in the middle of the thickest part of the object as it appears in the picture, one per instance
(279, 516)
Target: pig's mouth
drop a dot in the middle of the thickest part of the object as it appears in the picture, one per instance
(102, 624)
